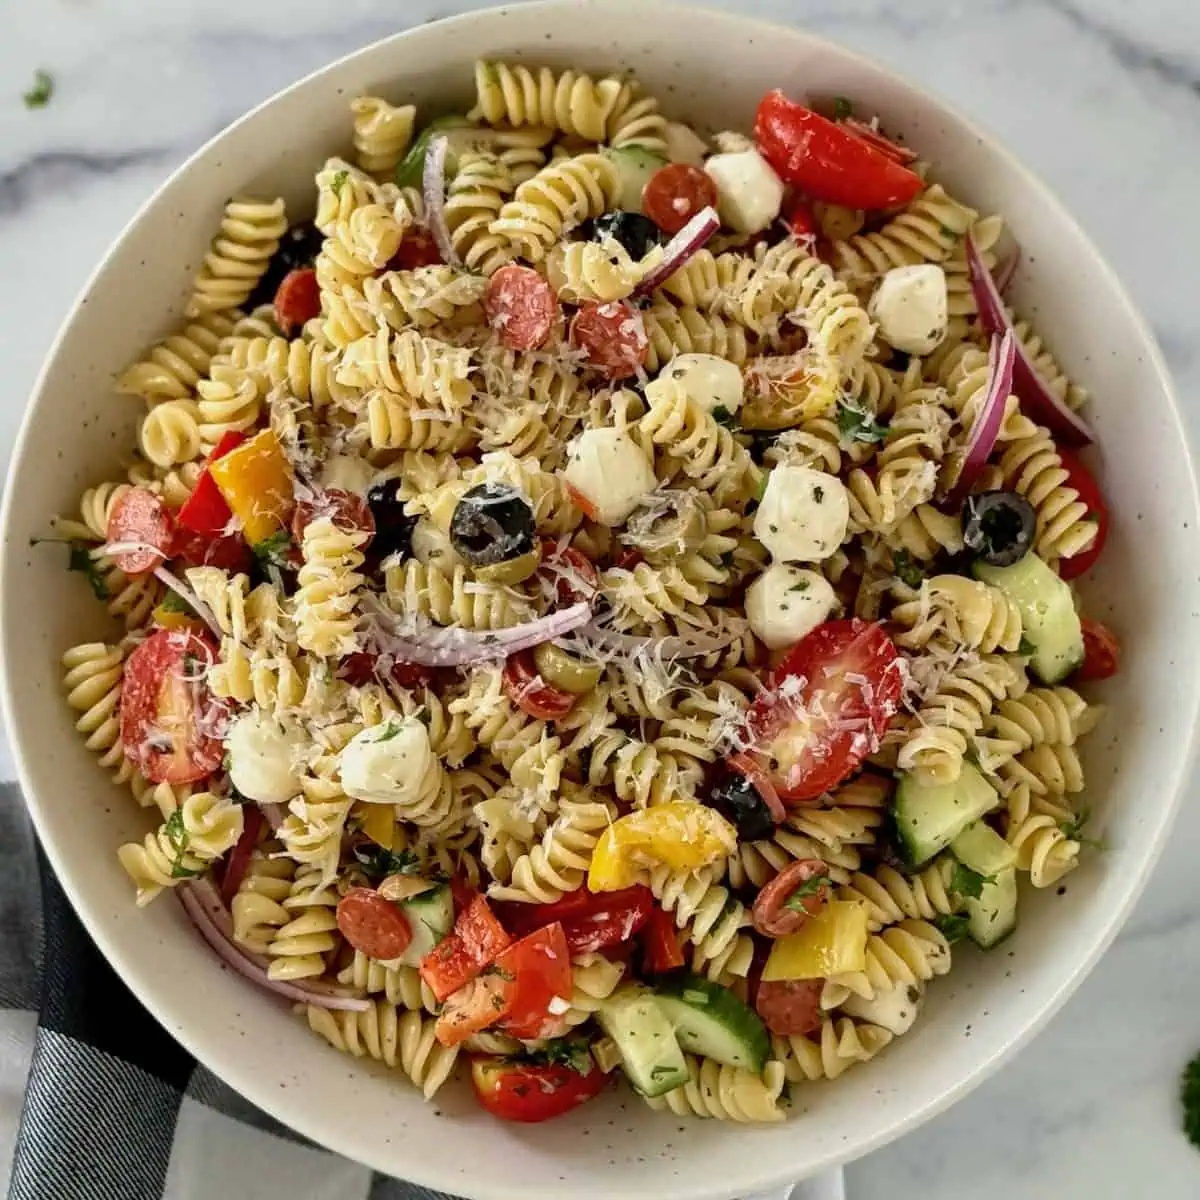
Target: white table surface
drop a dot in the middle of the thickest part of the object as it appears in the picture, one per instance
(1101, 97)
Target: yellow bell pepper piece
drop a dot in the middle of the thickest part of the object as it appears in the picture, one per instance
(834, 942)
(173, 618)
(379, 823)
(681, 836)
(256, 480)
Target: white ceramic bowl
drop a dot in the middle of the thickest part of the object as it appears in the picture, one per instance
(709, 68)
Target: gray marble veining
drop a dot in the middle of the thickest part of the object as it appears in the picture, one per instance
(1100, 97)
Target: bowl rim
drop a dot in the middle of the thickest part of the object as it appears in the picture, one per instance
(302, 1116)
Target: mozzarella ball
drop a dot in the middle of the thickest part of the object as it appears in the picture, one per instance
(388, 763)
(803, 514)
(710, 381)
(348, 473)
(264, 758)
(749, 193)
(910, 308)
(784, 603)
(612, 473)
(895, 1010)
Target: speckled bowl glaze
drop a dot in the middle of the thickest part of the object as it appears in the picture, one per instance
(710, 68)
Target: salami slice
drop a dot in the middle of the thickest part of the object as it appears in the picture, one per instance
(372, 924)
(521, 307)
(676, 193)
(612, 336)
(141, 523)
(795, 894)
(348, 512)
(790, 1007)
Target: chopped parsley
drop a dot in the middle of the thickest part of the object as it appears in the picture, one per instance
(858, 424)
(274, 551)
(379, 863)
(1025, 647)
(79, 558)
(39, 95)
(1190, 1097)
(842, 108)
(968, 883)
(173, 602)
(499, 972)
(907, 569)
(335, 184)
(390, 730)
(567, 1052)
(810, 887)
(1073, 830)
(178, 838)
(952, 926)
(659, 1072)
(801, 585)
(819, 494)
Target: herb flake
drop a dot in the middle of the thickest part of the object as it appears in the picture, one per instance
(806, 890)
(378, 862)
(858, 424)
(1190, 1098)
(39, 94)
(907, 569)
(842, 108)
(968, 883)
(952, 926)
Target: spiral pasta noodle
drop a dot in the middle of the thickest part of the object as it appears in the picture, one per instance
(964, 612)
(328, 580)
(173, 367)
(727, 1093)
(569, 101)
(170, 433)
(840, 1044)
(382, 133)
(248, 237)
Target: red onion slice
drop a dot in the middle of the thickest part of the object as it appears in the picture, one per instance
(990, 416)
(680, 248)
(274, 814)
(239, 856)
(433, 191)
(203, 905)
(1029, 386)
(181, 589)
(1006, 270)
(462, 647)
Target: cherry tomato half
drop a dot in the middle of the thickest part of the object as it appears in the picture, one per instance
(591, 921)
(827, 161)
(517, 1091)
(297, 300)
(661, 940)
(171, 724)
(570, 570)
(1101, 652)
(419, 249)
(527, 690)
(826, 706)
(1084, 482)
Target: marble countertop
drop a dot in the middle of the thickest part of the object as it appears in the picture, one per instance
(1106, 108)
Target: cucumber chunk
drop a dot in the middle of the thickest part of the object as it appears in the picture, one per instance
(430, 917)
(711, 1021)
(929, 816)
(1051, 624)
(644, 1035)
(982, 849)
(993, 916)
(635, 165)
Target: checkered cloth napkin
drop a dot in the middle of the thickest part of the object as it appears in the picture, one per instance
(98, 1102)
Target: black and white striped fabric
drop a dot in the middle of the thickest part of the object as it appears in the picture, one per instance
(98, 1102)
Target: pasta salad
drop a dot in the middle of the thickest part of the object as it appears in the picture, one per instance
(596, 599)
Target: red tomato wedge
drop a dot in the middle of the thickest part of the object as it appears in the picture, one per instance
(798, 892)
(612, 337)
(570, 570)
(530, 693)
(661, 939)
(591, 921)
(171, 724)
(674, 194)
(475, 941)
(1084, 482)
(478, 1004)
(142, 525)
(521, 307)
(419, 249)
(205, 511)
(531, 1092)
(827, 161)
(539, 967)
(297, 299)
(373, 924)
(1101, 652)
(799, 217)
(348, 512)
(826, 706)
(790, 1007)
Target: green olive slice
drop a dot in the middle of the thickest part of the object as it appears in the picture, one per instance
(564, 671)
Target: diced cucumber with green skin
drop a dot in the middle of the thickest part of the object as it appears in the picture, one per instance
(411, 168)
(1051, 624)
(993, 916)
(929, 816)
(635, 165)
(982, 849)
(430, 917)
(711, 1021)
(653, 1061)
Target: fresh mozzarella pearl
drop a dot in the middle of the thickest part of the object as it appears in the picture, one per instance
(348, 473)
(910, 307)
(684, 145)
(749, 193)
(710, 381)
(388, 763)
(895, 1009)
(803, 514)
(784, 603)
(610, 470)
(263, 758)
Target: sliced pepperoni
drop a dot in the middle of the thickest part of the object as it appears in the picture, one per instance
(143, 526)
(779, 910)
(419, 249)
(297, 299)
(372, 924)
(790, 1007)
(570, 570)
(676, 193)
(348, 512)
(612, 336)
(521, 307)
